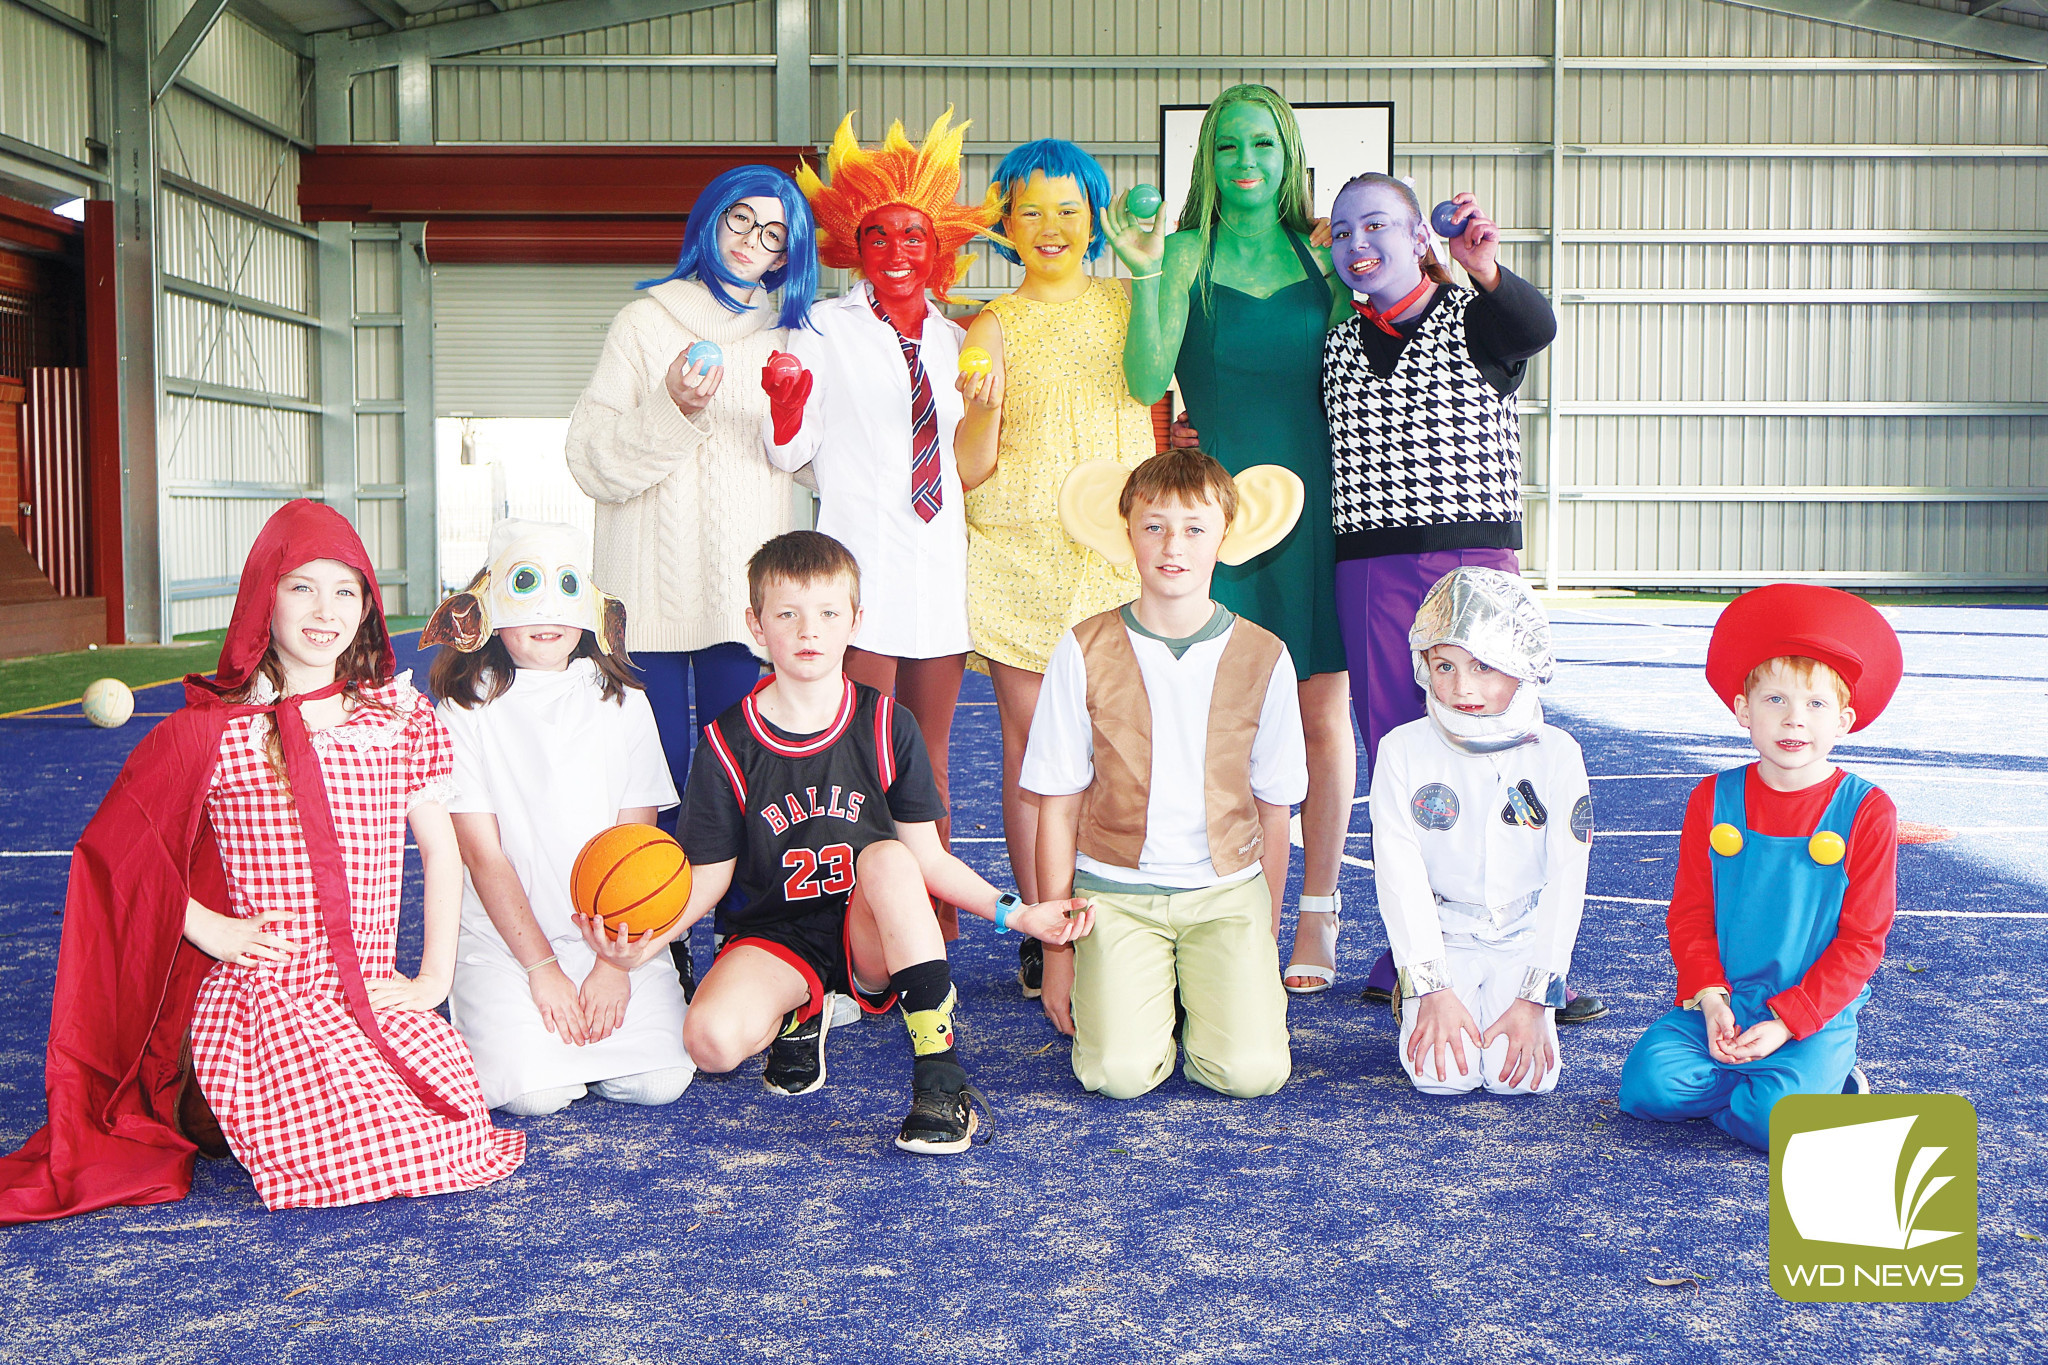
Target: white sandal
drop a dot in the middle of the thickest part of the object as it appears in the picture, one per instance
(1323, 977)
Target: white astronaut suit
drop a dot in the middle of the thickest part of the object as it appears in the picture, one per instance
(1482, 826)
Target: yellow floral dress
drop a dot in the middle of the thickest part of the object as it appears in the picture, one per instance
(1064, 401)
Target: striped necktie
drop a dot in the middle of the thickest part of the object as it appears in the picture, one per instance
(926, 492)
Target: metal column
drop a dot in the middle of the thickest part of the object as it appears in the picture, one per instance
(793, 72)
(132, 166)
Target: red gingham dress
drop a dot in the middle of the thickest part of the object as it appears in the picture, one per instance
(306, 1102)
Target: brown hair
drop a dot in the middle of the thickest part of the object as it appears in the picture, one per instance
(481, 678)
(1806, 672)
(1432, 268)
(356, 668)
(1186, 476)
(802, 558)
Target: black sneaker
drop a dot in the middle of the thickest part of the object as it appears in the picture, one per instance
(942, 1117)
(1583, 1008)
(1031, 968)
(686, 967)
(796, 1059)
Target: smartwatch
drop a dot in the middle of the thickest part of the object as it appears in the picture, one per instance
(1005, 903)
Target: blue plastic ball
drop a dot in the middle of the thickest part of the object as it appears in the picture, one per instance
(1446, 226)
(704, 356)
(1143, 200)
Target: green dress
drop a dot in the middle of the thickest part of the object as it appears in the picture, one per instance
(1251, 375)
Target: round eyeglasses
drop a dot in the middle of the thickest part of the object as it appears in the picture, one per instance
(740, 222)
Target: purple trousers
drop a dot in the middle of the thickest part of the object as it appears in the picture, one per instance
(1376, 603)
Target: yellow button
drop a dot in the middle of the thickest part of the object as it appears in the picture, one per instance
(1726, 840)
(1827, 848)
(974, 360)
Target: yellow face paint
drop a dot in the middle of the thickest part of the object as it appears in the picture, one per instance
(1050, 225)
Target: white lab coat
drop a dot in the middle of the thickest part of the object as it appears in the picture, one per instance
(856, 438)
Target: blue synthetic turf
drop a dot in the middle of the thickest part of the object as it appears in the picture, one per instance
(1343, 1219)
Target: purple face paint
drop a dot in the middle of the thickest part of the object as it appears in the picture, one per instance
(1376, 243)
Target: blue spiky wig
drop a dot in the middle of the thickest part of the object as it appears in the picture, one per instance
(700, 261)
(1054, 157)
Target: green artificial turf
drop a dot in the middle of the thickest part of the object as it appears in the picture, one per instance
(53, 679)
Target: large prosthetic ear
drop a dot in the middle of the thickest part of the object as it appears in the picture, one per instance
(1088, 501)
(611, 627)
(1269, 502)
(464, 620)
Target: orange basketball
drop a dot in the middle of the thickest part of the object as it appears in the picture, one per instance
(631, 875)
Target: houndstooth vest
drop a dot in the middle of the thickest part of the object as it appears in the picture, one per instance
(1429, 458)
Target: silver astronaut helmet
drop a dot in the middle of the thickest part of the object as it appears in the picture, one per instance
(1494, 617)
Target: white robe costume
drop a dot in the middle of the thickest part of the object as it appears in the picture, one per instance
(1480, 886)
(555, 763)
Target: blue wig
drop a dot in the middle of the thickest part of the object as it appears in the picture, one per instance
(1055, 157)
(701, 261)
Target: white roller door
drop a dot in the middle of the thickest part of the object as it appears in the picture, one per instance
(522, 340)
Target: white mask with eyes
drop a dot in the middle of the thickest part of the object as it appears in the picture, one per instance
(539, 575)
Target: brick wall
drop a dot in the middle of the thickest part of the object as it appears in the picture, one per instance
(11, 395)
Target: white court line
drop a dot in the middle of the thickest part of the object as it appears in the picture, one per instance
(977, 839)
(1917, 914)
(1899, 773)
(38, 853)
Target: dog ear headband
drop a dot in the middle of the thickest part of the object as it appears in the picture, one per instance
(536, 577)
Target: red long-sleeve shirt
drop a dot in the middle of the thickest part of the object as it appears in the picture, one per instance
(1846, 965)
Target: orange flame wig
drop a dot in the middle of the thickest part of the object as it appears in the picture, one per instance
(923, 178)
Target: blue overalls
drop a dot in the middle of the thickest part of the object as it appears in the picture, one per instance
(1775, 910)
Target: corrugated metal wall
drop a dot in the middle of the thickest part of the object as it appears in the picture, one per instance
(1799, 266)
(46, 91)
(522, 340)
(238, 434)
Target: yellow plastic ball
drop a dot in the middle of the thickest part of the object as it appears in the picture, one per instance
(1725, 840)
(974, 360)
(1827, 848)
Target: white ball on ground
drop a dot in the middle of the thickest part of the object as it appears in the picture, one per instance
(108, 703)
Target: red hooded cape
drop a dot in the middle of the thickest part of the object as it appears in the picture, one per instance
(126, 977)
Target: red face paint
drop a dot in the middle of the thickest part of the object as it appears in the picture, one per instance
(897, 252)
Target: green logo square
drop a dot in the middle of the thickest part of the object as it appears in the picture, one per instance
(1873, 1198)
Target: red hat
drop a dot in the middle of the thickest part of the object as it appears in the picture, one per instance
(297, 533)
(1807, 621)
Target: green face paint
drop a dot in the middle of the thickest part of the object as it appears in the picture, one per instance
(1251, 163)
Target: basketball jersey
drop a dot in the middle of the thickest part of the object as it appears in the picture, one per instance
(796, 810)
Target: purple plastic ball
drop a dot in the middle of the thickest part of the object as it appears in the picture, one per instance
(1446, 226)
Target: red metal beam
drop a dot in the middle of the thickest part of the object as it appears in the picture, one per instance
(408, 184)
(36, 229)
(103, 420)
(554, 241)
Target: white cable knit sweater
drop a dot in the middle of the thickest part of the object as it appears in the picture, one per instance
(682, 503)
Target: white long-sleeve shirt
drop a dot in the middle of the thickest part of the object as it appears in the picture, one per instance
(1446, 861)
(856, 438)
(1059, 758)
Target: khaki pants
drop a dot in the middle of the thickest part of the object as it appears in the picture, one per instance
(1216, 947)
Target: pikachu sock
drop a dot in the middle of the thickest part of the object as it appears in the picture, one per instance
(928, 999)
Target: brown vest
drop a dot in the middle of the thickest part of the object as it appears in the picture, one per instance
(1113, 808)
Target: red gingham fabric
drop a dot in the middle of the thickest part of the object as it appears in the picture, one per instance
(307, 1104)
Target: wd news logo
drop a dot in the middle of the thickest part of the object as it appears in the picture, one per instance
(1873, 1198)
